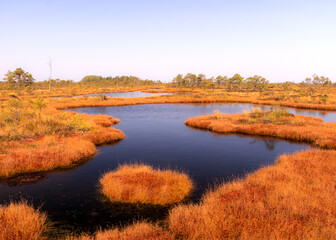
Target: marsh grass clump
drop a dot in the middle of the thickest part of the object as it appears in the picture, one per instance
(136, 231)
(20, 221)
(45, 154)
(36, 138)
(298, 128)
(21, 119)
(295, 199)
(139, 183)
(217, 114)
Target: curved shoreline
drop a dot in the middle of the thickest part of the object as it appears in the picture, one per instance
(314, 131)
(58, 152)
(291, 199)
(111, 101)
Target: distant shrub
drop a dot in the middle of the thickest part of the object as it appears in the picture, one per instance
(73, 92)
(274, 115)
(102, 96)
(217, 114)
(75, 123)
(39, 103)
(197, 95)
(324, 99)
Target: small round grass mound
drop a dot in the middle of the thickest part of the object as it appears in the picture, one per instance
(20, 221)
(138, 183)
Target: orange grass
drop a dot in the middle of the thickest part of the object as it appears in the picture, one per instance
(141, 183)
(72, 90)
(19, 221)
(49, 153)
(321, 98)
(138, 231)
(55, 139)
(100, 132)
(295, 199)
(299, 128)
(251, 98)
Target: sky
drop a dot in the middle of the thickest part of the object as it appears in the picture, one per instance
(282, 40)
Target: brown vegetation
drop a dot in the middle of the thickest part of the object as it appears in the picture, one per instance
(48, 153)
(20, 221)
(136, 231)
(292, 200)
(299, 128)
(295, 199)
(141, 183)
(33, 141)
(101, 133)
(205, 97)
(68, 91)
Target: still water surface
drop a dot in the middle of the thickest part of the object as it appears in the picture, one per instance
(155, 135)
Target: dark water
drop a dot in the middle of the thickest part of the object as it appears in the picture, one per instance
(156, 135)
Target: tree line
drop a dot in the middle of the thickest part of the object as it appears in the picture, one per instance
(20, 79)
(118, 81)
(234, 83)
(238, 83)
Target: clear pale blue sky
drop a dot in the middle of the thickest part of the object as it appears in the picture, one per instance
(283, 40)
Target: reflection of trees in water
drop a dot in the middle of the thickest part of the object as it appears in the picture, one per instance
(314, 113)
(269, 143)
(310, 112)
(323, 113)
(23, 179)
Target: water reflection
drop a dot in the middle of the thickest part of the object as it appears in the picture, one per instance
(269, 143)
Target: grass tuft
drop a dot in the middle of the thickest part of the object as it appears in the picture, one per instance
(140, 183)
(19, 221)
(137, 231)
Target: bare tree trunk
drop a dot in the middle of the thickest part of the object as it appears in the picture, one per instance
(50, 68)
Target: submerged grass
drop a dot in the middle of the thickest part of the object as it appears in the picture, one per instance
(140, 183)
